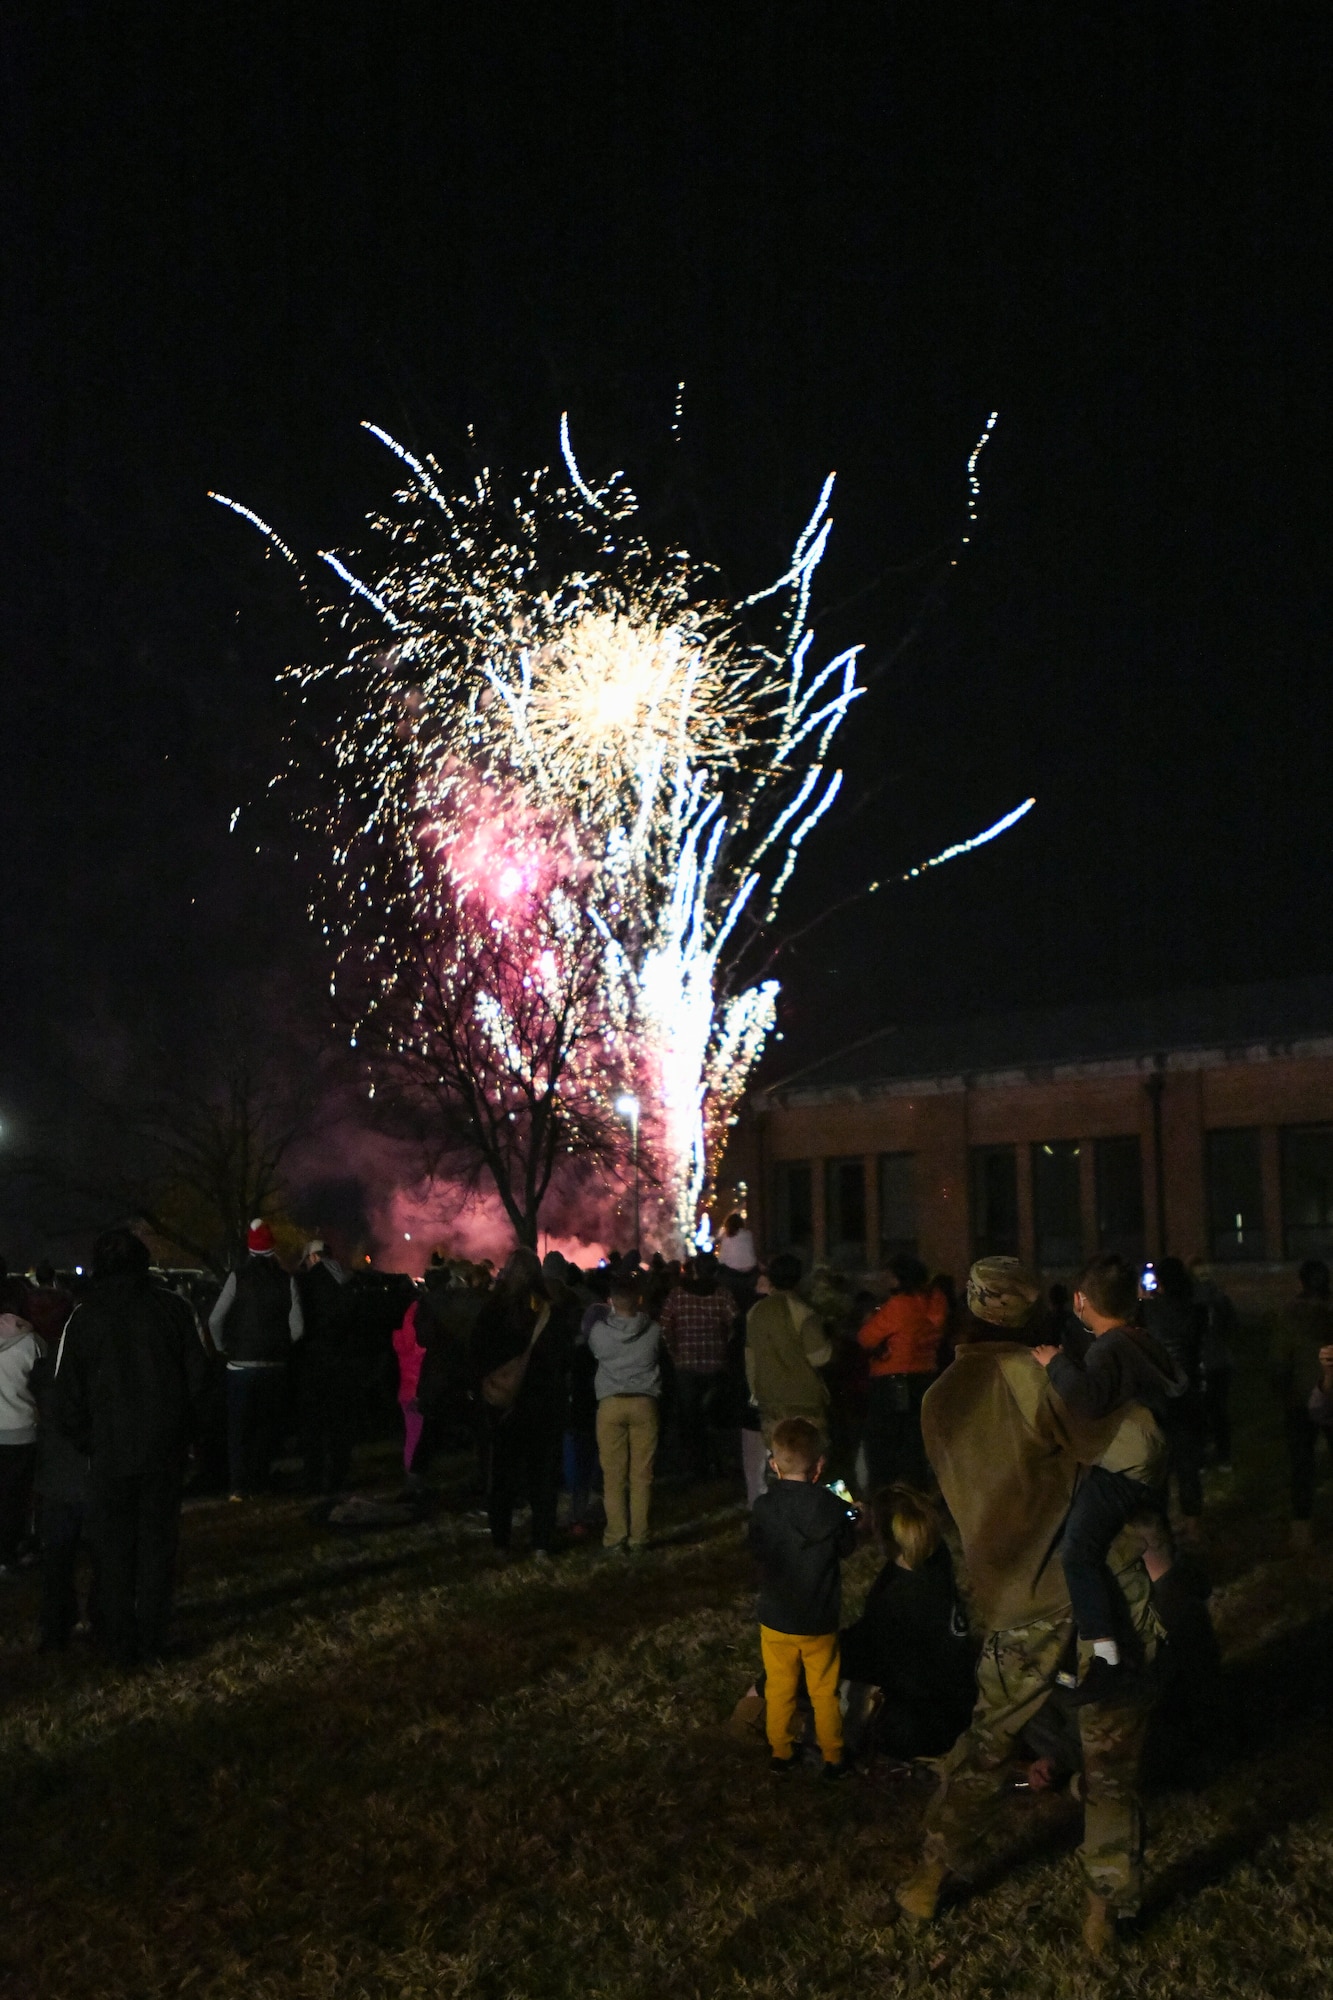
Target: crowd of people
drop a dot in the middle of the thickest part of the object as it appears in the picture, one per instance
(1016, 1454)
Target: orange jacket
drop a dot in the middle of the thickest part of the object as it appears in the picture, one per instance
(902, 1336)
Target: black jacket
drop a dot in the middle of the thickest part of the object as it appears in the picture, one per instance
(1123, 1365)
(800, 1534)
(131, 1378)
(912, 1640)
(258, 1324)
(325, 1306)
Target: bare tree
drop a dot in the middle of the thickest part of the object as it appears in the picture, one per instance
(492, 1043)
(194, 1141)
(212, 1148)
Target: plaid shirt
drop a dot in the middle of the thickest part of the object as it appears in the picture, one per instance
(696, 1327)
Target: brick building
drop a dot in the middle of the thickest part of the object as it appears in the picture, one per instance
(1199, 1123)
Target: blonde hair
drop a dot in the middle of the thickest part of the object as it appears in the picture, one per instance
(796, 1446)
(906, 1520)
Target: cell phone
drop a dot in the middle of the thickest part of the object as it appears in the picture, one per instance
(1149, 1278)
(844, 1493)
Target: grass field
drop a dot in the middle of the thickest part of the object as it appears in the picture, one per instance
(386, 1768)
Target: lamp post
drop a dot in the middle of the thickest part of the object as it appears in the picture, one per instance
(627, 1105)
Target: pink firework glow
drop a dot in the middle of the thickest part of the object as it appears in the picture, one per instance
(567, 789)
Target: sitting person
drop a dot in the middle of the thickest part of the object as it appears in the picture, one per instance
(1123, 1366)
(911, 1639)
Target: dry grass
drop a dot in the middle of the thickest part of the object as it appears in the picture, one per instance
(388, 1769)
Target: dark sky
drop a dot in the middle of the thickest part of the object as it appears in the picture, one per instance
(852, 230)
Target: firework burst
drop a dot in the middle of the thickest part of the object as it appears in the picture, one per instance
(555, 741)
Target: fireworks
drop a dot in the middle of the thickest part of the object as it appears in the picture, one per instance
(550, 739)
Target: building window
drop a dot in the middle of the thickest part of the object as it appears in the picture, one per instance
(1235, 1196)
(1119, 1177)
(1307, 1191)
(994, 1175)
(845, 1215)
(897, 1205)
(794, 1207)
(1057, 1211)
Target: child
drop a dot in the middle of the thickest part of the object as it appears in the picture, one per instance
(911, 1640)
(1123, 1365)
(800, 1531)
(626, 1346)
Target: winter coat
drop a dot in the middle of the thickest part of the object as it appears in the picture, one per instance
(800, 1533)
(410, 1354)
(20, 1351)
(903, 1337)
(785, 1343)
(912, 1640)
(131, 1378)
(1123, 1365)
(1007, 1451)
(252, 1322)
(1303, 1328)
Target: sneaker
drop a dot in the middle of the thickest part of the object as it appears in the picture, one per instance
(1110, 1687)
(842, 1769)
(782, 1767)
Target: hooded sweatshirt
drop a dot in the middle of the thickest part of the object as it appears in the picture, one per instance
(1007, 1451)
(1122, 1365)
(627, 1355)
(800, 1532)
(20, 1350)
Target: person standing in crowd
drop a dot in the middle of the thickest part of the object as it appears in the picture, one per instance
(410, 1354)
(697, 1320)
(1218, 1327)
(626, 1345)
(63, 1503)
(785, 1348)
(130, 1383)
(1007, 1455)
(800, 1531)
(572, 1297)
(520, 1361)
(738, 1260)
(1303, 1328)
(20, 1351)
(902, 1340)
(256, 1322)
(49, 1304)
(326, 1386)
(1169, 1316)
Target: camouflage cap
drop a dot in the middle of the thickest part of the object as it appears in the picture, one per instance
(1001, 1291)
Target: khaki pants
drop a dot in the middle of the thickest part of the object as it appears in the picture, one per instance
(627, 1445)
(784, 1655)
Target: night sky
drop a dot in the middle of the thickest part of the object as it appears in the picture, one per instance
(852, 231)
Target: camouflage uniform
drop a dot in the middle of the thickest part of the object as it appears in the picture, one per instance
(1015, 1676)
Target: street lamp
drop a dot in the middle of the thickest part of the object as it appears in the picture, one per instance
(627, 1106)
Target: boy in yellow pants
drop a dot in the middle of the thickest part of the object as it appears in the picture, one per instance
(800, 1531)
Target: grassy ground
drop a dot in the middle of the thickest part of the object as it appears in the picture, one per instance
(387, 1768)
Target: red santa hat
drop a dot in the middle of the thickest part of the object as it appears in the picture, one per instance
(259, 1237)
